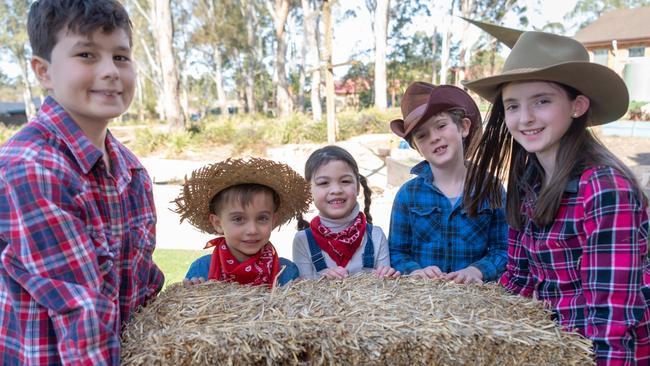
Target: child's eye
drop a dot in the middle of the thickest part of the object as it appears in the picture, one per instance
(237, 219)
(121, 58)
(511, 107)
(321, 183)
(442, 125)
(84, 55)
(263, 219)
(543, 101)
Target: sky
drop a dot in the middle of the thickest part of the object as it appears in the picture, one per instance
(355, 34)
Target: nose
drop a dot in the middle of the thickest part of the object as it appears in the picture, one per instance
(251, 228)
(525, 115)
(109, 69)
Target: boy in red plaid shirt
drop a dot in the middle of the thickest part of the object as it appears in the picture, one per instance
(77, 219)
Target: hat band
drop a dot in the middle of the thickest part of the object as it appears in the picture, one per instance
(414, 116)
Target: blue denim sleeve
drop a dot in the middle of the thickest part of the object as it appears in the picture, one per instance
(200, 267)
(399, 235)
(290, 272)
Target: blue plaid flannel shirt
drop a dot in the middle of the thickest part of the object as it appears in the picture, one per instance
(426, 230)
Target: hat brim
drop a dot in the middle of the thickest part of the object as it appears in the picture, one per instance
(605, 89)
(193, 204)
(397, 126)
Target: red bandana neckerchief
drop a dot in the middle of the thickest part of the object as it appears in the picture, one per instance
(339, 246)
(260, 269)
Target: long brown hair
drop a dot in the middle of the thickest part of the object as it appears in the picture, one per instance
(498, 155)
(323, 156)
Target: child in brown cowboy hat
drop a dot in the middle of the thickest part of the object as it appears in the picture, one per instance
(242, 201)
(430, 234)
(578, 219)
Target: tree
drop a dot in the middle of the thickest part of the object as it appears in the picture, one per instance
(381, 32)
(311, 53)
(13, 38)
(591, 10)
(279, 11)
(164, 31)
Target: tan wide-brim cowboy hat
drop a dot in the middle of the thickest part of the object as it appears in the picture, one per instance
(549, 57)
(440, 99)
(193, 204)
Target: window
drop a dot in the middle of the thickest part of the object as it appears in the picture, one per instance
(636, 51)
(600, 56)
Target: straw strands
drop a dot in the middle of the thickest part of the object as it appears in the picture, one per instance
(361, 320)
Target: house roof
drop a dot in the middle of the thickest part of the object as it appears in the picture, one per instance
(620, 25)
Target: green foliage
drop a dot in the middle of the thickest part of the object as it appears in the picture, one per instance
(175, 263)
(367, 121)
(7, 131)
(635, 113)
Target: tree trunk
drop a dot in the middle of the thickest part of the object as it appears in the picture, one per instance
(332, 128)
(164, 31)
(280, 13)
(30, 110)
(250, 58)
(310, 27)
(445, 44)
(218, 79)
(381, 29)
(434, 49)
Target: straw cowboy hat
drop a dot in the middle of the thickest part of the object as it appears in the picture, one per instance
(422, 101)
(193, 203)
(550, 57)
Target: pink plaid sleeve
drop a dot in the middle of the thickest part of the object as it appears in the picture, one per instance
(612, 265)
(517, 278)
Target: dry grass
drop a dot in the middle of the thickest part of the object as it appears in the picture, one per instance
(361, 320)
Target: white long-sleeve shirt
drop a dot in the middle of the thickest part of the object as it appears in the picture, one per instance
(302, 255)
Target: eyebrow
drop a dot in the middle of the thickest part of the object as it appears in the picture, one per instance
(532, 97)
(347, 175)
(90, 44)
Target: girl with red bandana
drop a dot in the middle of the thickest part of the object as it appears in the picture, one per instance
(341, 240)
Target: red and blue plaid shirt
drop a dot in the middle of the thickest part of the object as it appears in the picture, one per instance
(75, 244)
(590, 265)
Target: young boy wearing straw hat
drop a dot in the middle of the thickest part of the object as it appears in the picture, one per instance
(578, 219)
(430, 234)
(242, 201)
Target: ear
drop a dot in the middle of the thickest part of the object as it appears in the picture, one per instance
(216, 224)
(276, 220)
(580, 106)
(465, 127)
(41, 68)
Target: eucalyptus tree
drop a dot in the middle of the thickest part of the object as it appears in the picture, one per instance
(14, 40)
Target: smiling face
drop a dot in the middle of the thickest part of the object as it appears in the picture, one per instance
(440, 140)
(335, 188)
(92, 77)
(538, 114)
(246, 228)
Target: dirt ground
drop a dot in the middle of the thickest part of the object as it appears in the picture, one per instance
(632, 150)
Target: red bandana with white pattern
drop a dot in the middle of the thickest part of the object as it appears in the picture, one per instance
(260, 269)
(339, 246)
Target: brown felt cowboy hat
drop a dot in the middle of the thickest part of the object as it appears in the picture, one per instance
(550, 57)
(417, 108)
(193, 203)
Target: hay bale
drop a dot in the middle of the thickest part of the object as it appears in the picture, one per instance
(361, 320)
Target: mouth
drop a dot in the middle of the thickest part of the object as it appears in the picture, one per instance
(336, 201)
(440, 149)
(532, 132)
(107, 92)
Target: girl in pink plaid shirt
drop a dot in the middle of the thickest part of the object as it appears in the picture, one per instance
(578, 219)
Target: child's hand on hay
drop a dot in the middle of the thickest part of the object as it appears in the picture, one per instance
(193, 281)
(466, 276)
(386, 271)
(432, 272)
(336, 273)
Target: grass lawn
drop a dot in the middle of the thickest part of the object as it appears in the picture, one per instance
(174, 262)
